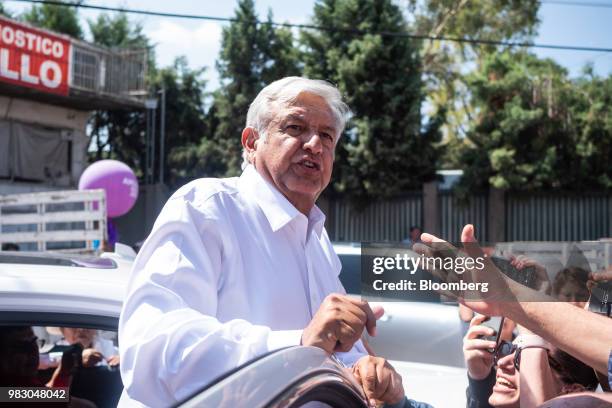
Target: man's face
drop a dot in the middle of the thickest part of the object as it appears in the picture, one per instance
(298, 153)
(85, 337)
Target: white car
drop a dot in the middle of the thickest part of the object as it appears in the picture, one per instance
(40, 289)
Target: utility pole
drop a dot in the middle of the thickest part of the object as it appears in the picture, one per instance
(151, 106)
(162, 136)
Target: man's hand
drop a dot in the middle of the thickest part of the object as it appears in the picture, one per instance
(600, 276)
(113, 361)
(478, 358)
(380, 381)
(91, 357)
(500, 288)
(542, 282)
(339, 323)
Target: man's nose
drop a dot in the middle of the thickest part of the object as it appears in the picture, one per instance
(313, 143)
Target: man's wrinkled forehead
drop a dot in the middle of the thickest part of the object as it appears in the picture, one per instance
(309, 108)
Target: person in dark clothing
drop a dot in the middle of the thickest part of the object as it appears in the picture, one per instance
(19, 360)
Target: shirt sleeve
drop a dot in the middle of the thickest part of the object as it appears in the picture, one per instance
(171, 343)
(350, 357)
(479, 391)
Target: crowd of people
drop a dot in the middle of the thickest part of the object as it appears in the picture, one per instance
(549, 351)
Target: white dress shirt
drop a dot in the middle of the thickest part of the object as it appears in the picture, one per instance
(230, 271)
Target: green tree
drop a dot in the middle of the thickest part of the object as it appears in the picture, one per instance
(536, 129)
(386, 150)
(252, 55)
(120, 134)
(62, 19)
(446, 64)
(4, 11)
(117, 31)
(590, 114)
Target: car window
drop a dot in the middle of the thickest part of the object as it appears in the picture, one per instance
(350, 274)
(85, 360)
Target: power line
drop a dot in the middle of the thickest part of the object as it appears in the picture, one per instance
(322, 28)
(577, 4)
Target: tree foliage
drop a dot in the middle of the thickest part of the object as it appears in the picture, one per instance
(121, 134)
(512, 121)
(252, 55)
(57, 18)
(536, 129)
(385, 150)
(446, 64)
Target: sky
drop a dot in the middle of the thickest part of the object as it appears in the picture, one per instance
(199, 40)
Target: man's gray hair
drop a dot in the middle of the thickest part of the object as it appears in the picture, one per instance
(283, 93)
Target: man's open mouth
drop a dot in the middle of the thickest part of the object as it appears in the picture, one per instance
(310, 164)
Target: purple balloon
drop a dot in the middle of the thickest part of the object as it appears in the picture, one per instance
(119, 182)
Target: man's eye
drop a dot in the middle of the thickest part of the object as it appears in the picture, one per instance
(294, 128)
(327, 136)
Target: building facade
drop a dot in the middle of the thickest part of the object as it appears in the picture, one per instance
(49, 86)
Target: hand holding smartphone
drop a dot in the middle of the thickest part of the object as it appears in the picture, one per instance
(496, 323)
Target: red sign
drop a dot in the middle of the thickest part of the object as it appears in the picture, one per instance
(33, 58)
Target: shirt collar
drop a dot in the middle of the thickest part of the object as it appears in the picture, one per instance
(275, 206)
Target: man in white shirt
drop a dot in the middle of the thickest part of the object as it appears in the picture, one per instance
(237, 267)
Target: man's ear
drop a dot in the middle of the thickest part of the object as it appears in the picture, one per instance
(249, 137)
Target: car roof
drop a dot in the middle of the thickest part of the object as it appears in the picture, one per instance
(297, 364)
(347, 248)
(51, 283)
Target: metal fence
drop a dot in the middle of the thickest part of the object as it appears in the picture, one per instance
(533, 217)
(455, 214)
(109, 72)
(380, 221)
(558, 217)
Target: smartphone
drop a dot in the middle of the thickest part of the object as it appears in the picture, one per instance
(496, 323)
(526, 277)
(601, 298)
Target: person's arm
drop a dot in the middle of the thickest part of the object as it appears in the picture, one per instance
(536, 377)
(565, 325)
(63, 373)
(171, 341)
(479, 391)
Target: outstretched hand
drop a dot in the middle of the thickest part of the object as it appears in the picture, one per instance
(498, 286)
